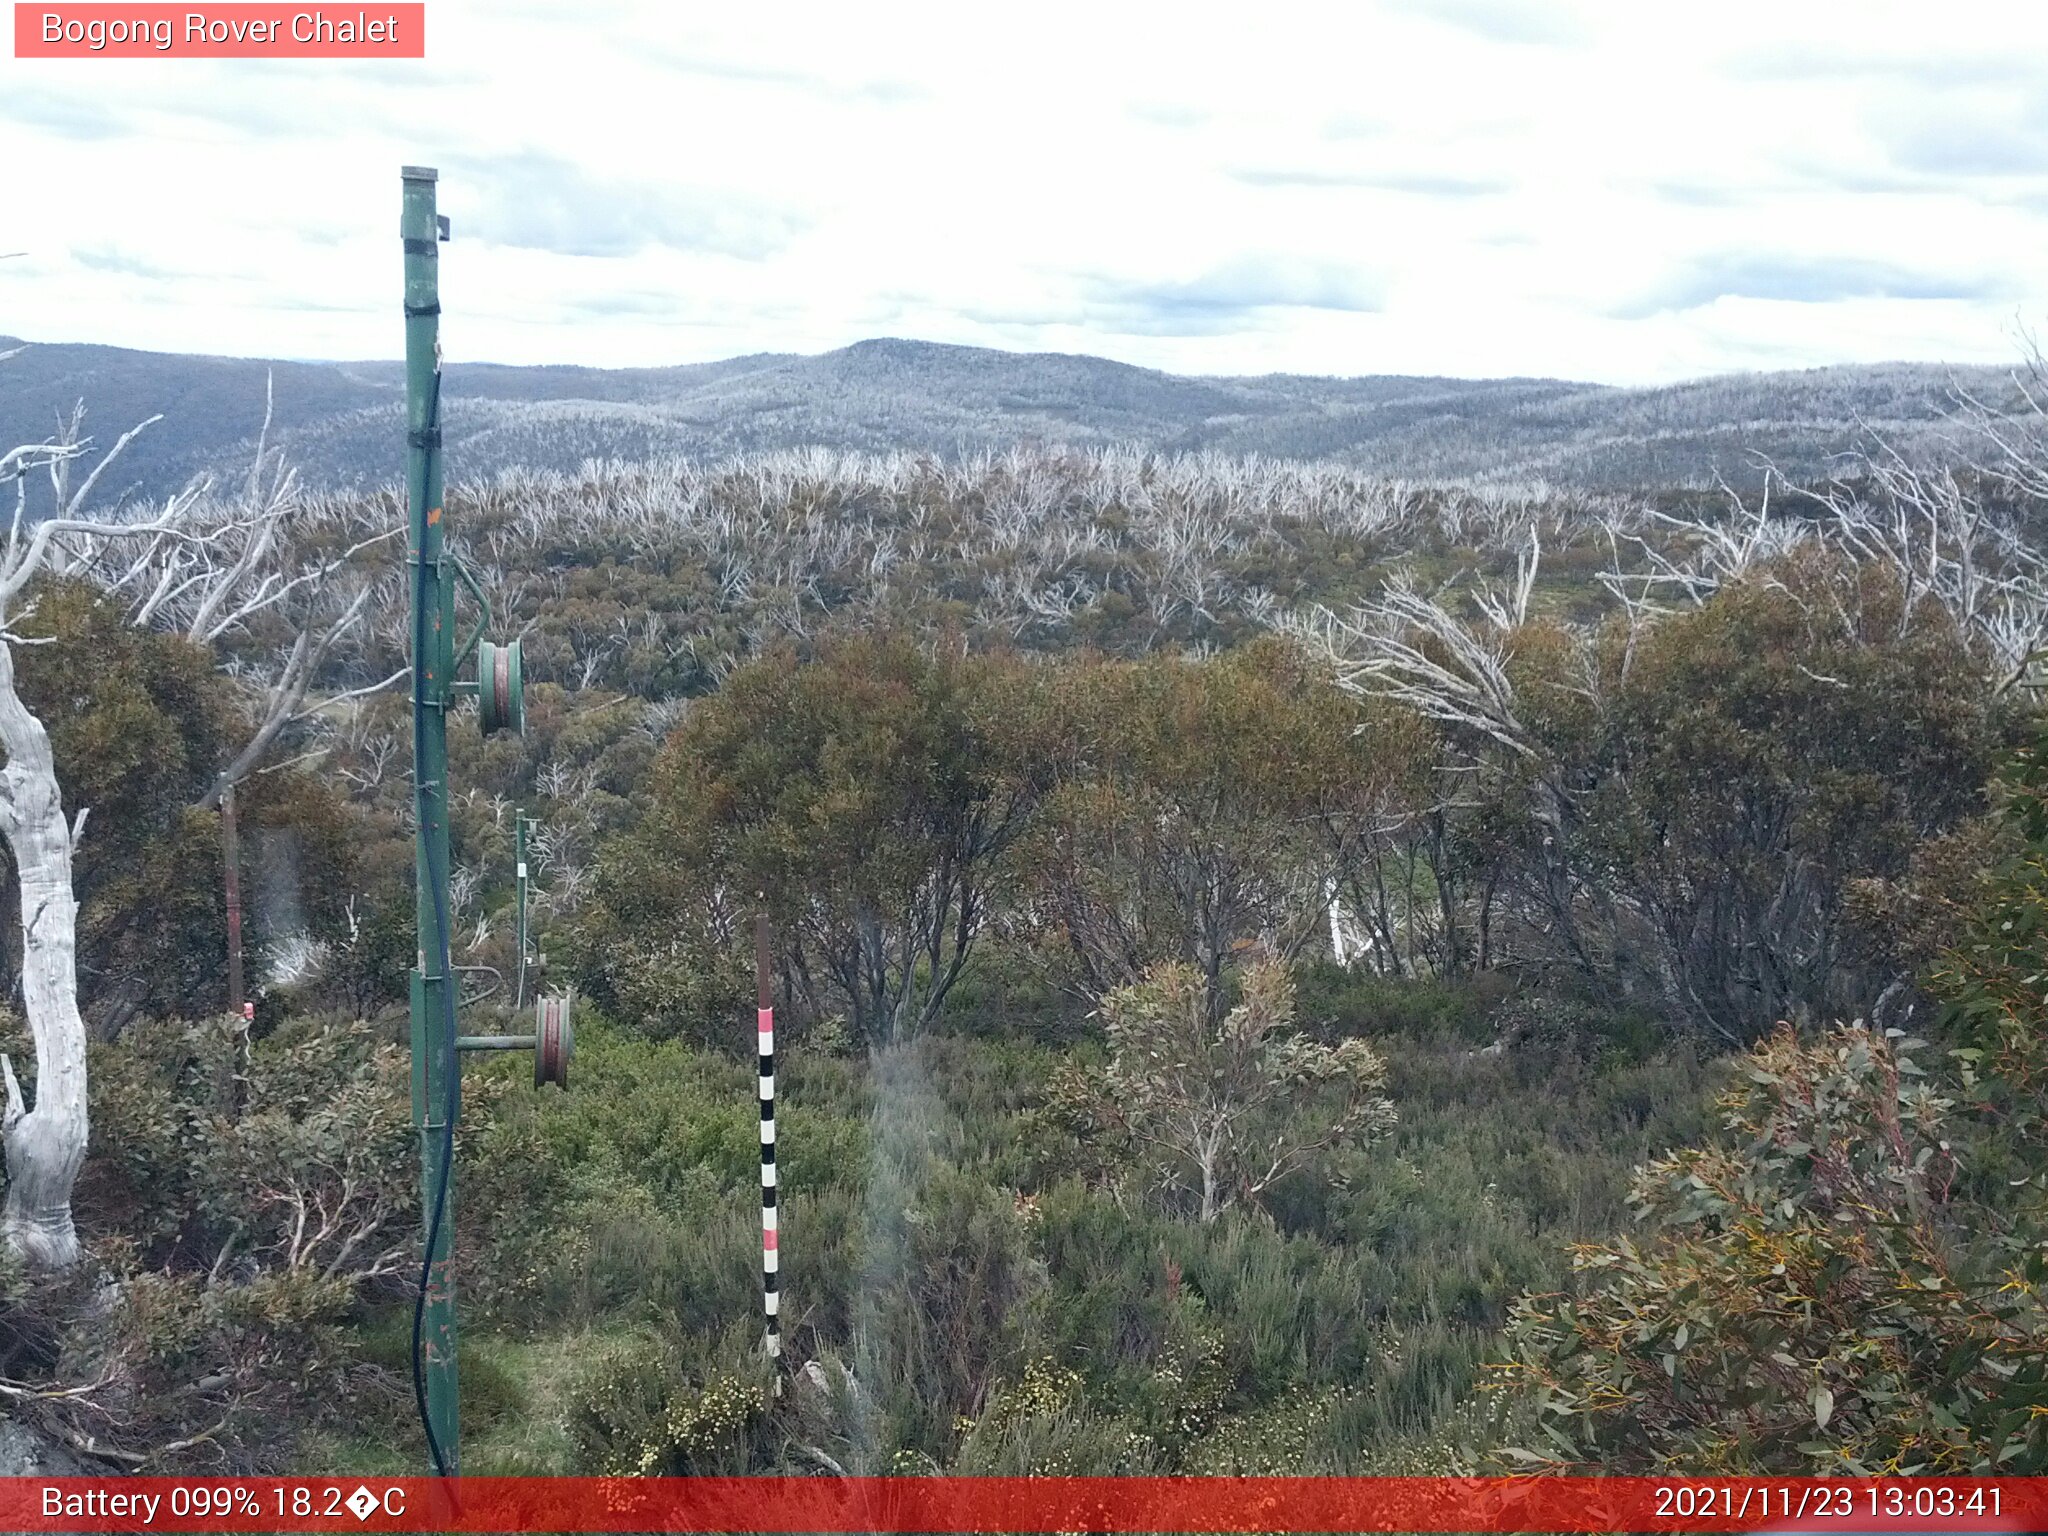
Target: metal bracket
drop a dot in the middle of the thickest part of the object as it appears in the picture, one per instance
(497, 984)
(553, 1041)
(483, 621)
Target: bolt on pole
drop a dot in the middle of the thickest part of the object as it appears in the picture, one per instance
(436, 1082)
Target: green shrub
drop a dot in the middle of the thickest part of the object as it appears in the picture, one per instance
(1040, 1425)
(640, 1408)
(1810, 1292)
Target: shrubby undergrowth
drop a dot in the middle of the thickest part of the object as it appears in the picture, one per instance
(1431, 922)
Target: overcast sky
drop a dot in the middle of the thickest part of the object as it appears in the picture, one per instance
(1624, 192)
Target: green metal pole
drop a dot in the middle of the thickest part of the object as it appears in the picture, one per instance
(436, 1085)
(519, 825)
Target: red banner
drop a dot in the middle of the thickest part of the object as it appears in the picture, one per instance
(1016, 1504)
(235, 31)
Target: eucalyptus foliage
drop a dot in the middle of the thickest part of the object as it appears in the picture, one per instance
(1234, 1101)
(1852, 1277)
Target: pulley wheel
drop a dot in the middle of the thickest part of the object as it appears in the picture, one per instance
(554, 1041)
(501, 692)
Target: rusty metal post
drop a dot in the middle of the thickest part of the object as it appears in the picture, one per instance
(231, 860)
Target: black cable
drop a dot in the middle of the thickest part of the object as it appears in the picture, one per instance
(441, 952)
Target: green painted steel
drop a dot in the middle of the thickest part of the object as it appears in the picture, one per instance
(501, 695)
(520, 823)
(436, 1077)
(494, 1042)
(515, 672)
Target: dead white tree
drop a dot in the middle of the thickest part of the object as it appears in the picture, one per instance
(1409, 646)
(1933, 527)
(45, 1145)
(210, 567)
(1947, 525)
(298, 569)
(1456, 669)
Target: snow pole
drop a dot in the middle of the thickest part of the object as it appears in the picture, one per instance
(764, 1021)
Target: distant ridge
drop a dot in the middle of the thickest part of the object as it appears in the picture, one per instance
(341, 421)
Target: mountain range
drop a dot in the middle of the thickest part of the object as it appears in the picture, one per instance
(342, 422)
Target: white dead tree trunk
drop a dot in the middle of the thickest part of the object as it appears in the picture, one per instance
(209, 568)
(45, 1144)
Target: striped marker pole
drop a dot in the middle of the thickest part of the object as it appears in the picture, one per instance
(764, 1015)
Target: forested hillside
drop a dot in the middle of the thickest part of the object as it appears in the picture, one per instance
(340, 422)
(1279, 970)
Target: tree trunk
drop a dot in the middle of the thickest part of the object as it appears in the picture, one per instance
(46, 1145)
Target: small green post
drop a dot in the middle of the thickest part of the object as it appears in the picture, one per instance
(520, 822)
(436, 1082)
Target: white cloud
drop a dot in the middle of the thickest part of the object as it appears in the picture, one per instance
(1596, 190)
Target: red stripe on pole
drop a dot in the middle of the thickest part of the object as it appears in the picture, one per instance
(1016, 1504)
(768, 1240)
